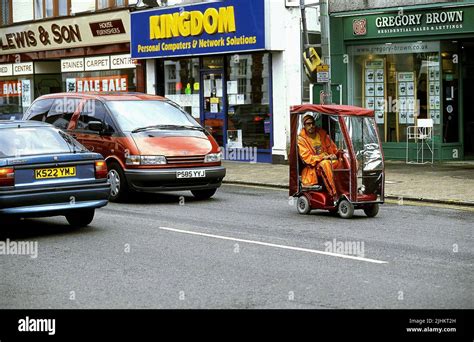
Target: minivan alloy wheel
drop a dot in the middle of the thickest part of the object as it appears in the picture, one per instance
(113, 178)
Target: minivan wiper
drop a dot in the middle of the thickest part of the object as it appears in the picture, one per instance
(147, 128)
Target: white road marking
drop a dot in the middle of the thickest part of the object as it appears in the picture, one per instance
(274, 245)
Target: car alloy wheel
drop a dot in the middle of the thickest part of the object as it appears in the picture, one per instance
(113, 178)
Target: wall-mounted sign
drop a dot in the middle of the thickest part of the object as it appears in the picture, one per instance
(97, 63)
(122, 62)
(6, 70)
(72, 65)
(23, 68)
(107, 28)
(10, 88)
(97, 29)
(410, 23)
(217, 27)
(99, 84)
(322, 73)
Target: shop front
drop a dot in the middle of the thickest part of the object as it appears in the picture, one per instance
(408, 64)
(91, 53)
(212, 60)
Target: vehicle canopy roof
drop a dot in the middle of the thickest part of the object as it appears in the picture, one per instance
(332, 110)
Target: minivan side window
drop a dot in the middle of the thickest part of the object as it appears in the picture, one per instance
(61, 112)
(94, 111)
(39, 110)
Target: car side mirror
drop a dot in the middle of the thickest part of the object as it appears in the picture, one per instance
(96, 126)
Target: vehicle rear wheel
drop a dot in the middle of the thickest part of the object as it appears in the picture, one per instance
(371, 210)
(80, 218)
(302, 205)
(203, 194)
(117, 181)
(345, 209)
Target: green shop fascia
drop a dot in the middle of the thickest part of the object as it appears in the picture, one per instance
(409, 63)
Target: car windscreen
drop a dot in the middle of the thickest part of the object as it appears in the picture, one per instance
(27, 141)
(133, 115)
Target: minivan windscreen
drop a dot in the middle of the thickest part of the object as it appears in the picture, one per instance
(135, 116)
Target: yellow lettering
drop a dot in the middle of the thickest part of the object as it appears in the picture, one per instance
(226, 19)
(210, 21)
(155, 31)
(183, 24)
(171, 25)
(196, 23)
(192, 23)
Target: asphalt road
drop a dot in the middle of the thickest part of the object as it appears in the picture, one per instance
(246, 248)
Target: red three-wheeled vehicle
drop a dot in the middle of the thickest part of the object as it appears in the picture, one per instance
(358, 173)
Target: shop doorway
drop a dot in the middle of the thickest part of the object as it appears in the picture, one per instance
(213, 104)
(467, 48)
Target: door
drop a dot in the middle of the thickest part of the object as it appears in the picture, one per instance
(214, 107)
(103, 143)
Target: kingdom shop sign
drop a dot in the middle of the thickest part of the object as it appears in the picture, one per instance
(218, 27)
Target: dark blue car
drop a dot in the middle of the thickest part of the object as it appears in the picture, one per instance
(45, 172)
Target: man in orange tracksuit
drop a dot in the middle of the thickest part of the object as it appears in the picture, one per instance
(318, 152)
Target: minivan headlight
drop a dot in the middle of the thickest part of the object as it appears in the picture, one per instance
(145, 160)
(212, 158)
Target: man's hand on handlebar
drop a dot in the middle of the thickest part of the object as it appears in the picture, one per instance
(330, 157)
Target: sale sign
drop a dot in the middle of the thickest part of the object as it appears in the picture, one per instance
(98, 84)
(10, 88)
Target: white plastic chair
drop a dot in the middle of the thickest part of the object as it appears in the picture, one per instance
(422, 134)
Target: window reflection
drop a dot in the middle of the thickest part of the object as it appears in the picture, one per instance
(248, 85)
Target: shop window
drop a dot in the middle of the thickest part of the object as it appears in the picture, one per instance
(248, 100)
(63, 7)
(401, 82)
(39, 9)
(122, 80)
(78, 6)
(181, 79)
(51, 8)
(15, 95)
(6, 12)
(101, 4)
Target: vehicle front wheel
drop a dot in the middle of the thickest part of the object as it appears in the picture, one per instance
(203, 194)
(117, 181)
(303, 206)
(345, 209)
(371, 210)
(80, 218)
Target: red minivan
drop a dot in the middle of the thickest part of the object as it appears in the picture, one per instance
(149, 142)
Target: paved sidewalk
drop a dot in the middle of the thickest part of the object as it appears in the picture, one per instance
(447, 182)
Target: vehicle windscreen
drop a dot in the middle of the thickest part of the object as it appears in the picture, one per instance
(364, 139)
(135, 115)
(28, 141)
